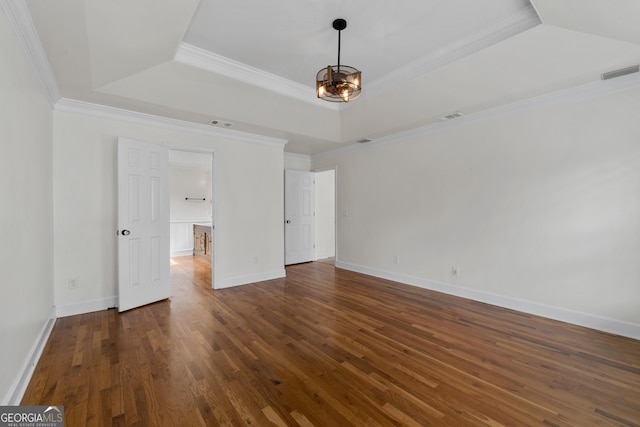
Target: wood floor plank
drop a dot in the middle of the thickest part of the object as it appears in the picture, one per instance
(330, 347)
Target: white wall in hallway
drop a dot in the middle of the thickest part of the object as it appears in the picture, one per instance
(193, 183)
(191, 201)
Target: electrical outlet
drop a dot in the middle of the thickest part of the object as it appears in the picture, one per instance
(73, 283)
(455, 271)
(396, 259)
(255, 259)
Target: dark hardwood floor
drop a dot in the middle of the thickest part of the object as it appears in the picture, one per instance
(329, 347)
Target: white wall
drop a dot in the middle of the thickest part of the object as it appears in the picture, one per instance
(26, 242)
(325, 214)
(249, 205)
(190, 202)
(538, 207)
(189, 182)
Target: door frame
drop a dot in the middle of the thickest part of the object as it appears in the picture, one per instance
(214, 204)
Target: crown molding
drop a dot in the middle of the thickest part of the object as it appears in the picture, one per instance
(80, 107)
(576, 94)
(20, 20)
(218, 64)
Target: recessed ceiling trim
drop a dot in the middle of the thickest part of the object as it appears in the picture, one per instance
(209, 61)
(516, 24)
(80, 107)
(222, 123)
(619, 73)
(20, 20)
(452, 116)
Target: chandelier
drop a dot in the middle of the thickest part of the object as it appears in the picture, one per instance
(338, 83)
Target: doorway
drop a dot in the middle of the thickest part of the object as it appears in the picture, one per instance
(191, 184)
(326, 216)
(310, 216)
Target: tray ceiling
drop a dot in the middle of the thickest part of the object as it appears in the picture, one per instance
(252, 63)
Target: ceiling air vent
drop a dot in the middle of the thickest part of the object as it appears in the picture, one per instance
(364, 140)
(221, 123)
(621, 72)
(452, 116)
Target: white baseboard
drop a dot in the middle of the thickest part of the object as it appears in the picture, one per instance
(185, 252)
(86, 306)
(17, 389)
(605, 324)
(251, 278)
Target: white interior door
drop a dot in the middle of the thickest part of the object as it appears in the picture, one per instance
(143, 224)
(299, 214)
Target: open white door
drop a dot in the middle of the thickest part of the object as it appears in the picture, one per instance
(299, 215)
(143, 224)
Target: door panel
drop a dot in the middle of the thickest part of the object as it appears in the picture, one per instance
(143, 224)
(299, 217)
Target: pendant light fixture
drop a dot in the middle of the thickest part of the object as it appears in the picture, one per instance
(338, 83)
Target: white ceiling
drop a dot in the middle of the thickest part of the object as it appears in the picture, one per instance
(295, 39)
(253, 63)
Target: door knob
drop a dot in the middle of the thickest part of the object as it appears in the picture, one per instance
(125, 232)
(288, 221)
